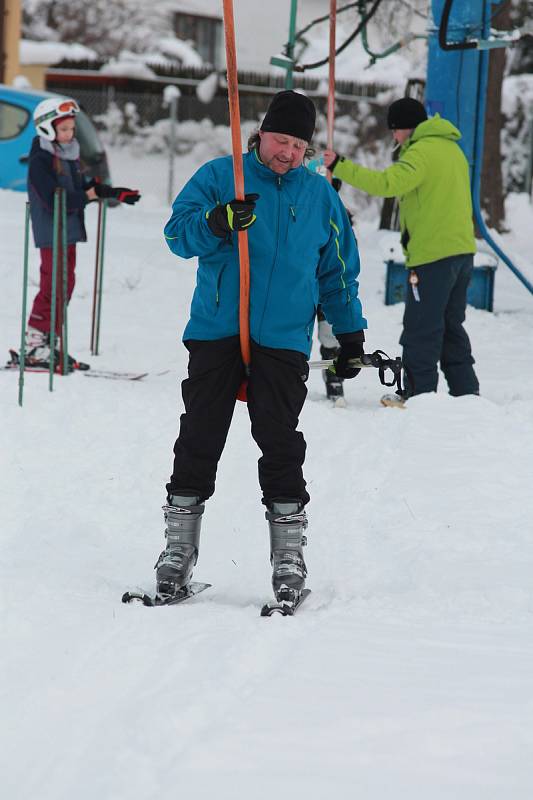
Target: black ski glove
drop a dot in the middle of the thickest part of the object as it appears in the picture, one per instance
(351, 347)
(120, 193)
(335, 162)
(237, 215)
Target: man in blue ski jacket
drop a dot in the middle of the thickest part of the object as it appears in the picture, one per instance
(302, 252)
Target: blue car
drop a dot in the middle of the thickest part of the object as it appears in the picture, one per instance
(17, 132)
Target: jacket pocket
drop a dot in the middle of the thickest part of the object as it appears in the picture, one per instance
(218, 285)
(311, 324)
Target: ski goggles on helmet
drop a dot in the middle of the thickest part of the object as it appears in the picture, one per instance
(63, 109)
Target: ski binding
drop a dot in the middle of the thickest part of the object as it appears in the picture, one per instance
(286, 603)
(185, 593)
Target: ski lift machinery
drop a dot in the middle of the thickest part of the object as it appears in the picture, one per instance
(459, 43)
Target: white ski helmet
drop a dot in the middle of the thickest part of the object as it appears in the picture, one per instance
(48, 111)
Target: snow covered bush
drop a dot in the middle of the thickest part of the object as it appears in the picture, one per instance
(517, 108)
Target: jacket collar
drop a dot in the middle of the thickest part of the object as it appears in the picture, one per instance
(268, 174)
(67, 152)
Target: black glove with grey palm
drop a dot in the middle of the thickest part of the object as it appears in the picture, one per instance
(351, 348)
(120, 193)
(237, 215)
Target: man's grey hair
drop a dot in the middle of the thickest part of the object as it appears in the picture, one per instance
(254, 140)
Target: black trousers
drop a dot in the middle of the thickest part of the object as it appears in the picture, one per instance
(433, 329)
(276, 394)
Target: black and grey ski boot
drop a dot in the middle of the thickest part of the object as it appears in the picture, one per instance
(287, 522)
(183, 516)
(334, 384)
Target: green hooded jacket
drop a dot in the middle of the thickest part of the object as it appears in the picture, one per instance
(432, 184)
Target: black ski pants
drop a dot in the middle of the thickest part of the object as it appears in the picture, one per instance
(433, 329)
(276, 394)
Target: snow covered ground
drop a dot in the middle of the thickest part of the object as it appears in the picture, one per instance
(408, 673)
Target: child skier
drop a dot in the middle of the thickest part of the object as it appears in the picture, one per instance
(55, 162)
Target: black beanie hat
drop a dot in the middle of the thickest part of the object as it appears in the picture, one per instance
(406, 113)
(292, 114)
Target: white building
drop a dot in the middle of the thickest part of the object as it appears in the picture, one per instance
(261, 27)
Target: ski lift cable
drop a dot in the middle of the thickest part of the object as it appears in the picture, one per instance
(415, 11)
(349, 40)
(316, 21)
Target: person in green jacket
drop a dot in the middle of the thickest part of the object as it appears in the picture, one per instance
(431, 181)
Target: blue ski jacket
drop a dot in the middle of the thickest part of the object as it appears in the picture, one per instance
(302, 252)
(46, 173)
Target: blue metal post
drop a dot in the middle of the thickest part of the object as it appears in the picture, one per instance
(456, 88)
(478, 155)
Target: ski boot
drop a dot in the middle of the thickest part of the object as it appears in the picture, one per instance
(287, 522)
(37, 348)
(38, 353)
(183, 516)
(334, 384)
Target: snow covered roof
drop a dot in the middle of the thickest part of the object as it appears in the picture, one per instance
(128, 68)
(31, 52)
(184, 52)
(204, 8)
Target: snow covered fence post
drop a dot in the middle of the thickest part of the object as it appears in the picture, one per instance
(24, 300)
(171, 95)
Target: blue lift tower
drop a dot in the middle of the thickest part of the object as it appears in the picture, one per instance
(460, 40)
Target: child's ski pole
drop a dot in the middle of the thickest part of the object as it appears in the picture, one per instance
(24, 299)
(100, 277)
(98, 270)
(64, 285)
(55, 249)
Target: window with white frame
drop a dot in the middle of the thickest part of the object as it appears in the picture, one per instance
(204, 32)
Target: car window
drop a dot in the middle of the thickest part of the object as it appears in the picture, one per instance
(13, 120)
(90, 145)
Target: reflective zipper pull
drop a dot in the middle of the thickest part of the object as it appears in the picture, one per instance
(293, 213)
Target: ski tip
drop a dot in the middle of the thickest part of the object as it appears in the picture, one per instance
(392, 401)
(130, 597)
(340, 402)
(285, 608)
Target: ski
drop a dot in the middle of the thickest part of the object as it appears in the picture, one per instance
(287, 608)
(78, 366)
(14, 364)
(114, 375)
(150, 600)
(393, 401)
